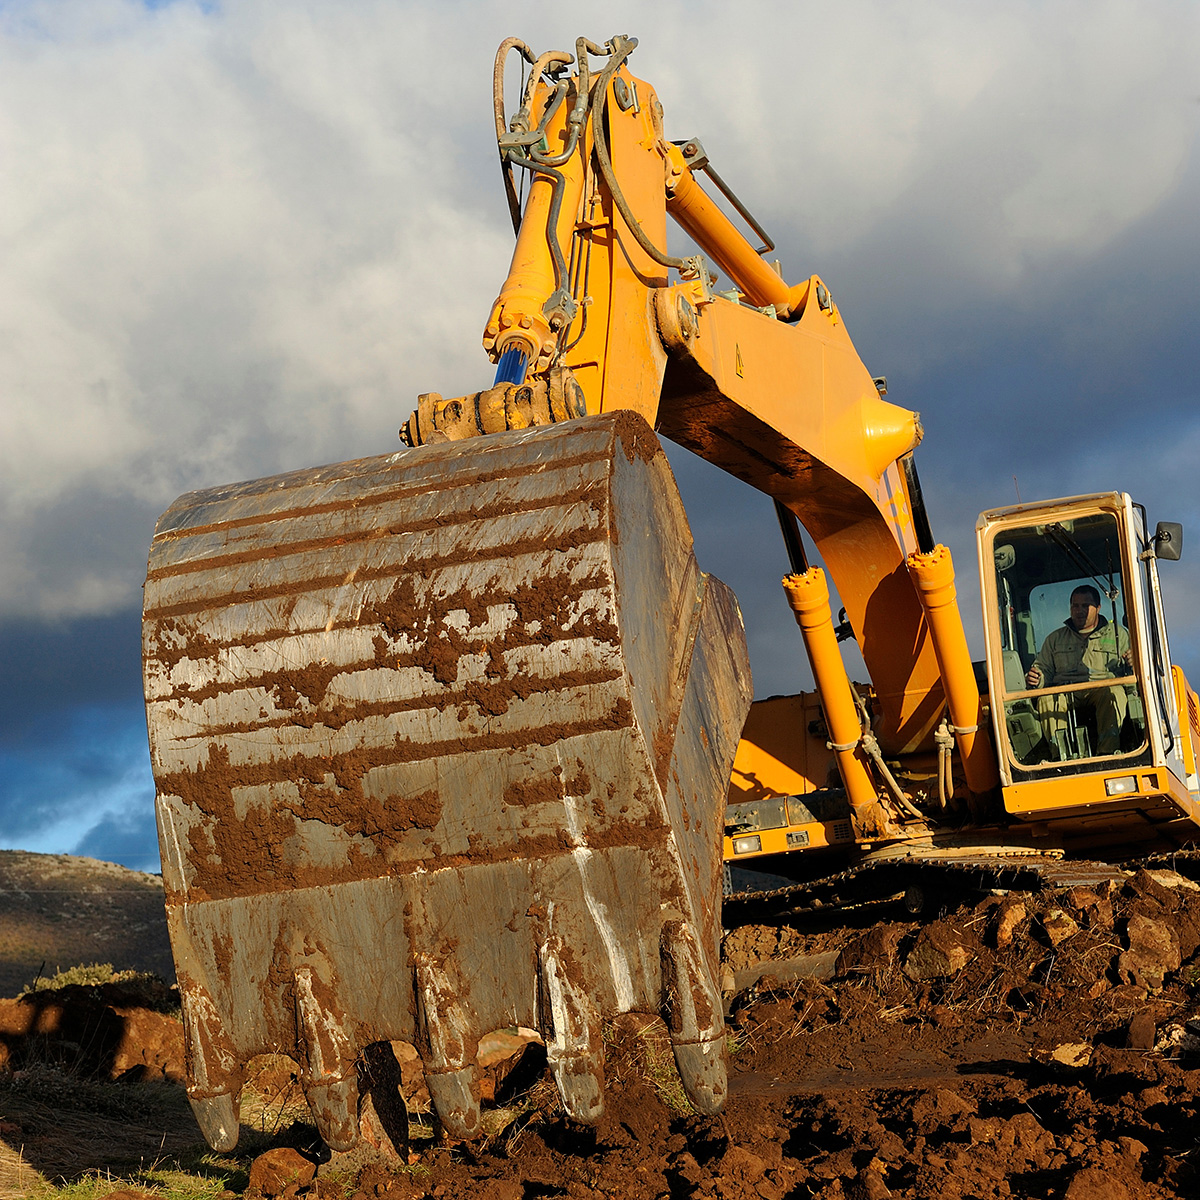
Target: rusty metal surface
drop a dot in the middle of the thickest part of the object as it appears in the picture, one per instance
(441, 742)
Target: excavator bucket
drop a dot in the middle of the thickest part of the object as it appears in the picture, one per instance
(442, 741)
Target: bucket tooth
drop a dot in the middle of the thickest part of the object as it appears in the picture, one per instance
(217, 1117)
(694, 1018)
(334, 1108)
(328, 1073)
(571, 1029)
(449, 1044)
(213, 1078)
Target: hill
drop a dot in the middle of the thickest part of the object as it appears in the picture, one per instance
(60, 910)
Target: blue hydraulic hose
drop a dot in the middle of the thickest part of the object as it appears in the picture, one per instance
(512, 366)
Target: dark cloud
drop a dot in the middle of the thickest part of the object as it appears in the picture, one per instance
(53, 670)
(127, 837)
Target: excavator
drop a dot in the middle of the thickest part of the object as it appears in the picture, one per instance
(460, 737)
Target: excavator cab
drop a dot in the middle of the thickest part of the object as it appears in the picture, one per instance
(1085, 704)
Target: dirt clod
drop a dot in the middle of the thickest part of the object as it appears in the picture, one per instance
(937, 952)
(274, 1171)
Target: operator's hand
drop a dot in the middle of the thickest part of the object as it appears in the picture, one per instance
(1033, 677)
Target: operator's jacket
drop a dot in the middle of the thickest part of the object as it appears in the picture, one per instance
(1068, 656)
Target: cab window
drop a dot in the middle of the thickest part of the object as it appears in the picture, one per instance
(1066, 644)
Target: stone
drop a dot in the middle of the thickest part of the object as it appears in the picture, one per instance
(274, 1171)
(1071, 1054)
(1094, 1184)
(1057, 926)
(1153, 951)
(1144, 884)
(1133, 1148)
(1009, 918)
(936, 953)
(1141, 1032)
(868, 1186)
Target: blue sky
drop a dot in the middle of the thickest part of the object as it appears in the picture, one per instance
(240, 238)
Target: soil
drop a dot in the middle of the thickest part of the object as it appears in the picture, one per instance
(1023, 1046)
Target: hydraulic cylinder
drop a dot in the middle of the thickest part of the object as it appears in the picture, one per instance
(933, 575)
(808, 595)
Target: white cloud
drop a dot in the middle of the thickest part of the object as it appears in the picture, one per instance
(242, 239)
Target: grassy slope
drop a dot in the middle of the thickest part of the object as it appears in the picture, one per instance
(61, 910)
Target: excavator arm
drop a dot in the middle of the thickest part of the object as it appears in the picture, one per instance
(761, 380)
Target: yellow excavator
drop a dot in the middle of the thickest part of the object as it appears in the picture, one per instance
(450, 740)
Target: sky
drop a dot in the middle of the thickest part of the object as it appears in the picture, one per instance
(239, 238)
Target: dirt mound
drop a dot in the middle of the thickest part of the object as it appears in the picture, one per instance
(59, 909)
(110, 1031)
(1024, 1046)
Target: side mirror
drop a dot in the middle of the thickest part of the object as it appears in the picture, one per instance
(1168, 540)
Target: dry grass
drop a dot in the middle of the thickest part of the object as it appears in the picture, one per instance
(68, 1148)
(82, 1138)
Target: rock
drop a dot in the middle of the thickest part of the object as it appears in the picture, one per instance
(1171, 879)
(1009, 918)
(1069, 1054)
(1153, 951)
(1094, 1184)
(936, 953)
(1057, 926)
(1133, 1148)
(1141, 1032)
(1144, 885)
(870, 953)
(275, 1171)
(868, 1186)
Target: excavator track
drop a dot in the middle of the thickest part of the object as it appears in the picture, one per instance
(923, 879)
(927, 879)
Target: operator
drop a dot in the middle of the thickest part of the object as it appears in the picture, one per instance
(1086, 646)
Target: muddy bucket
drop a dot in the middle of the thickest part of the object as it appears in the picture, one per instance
(441, 742)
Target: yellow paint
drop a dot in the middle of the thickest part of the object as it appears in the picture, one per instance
(1084, 795)
(808, 596)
